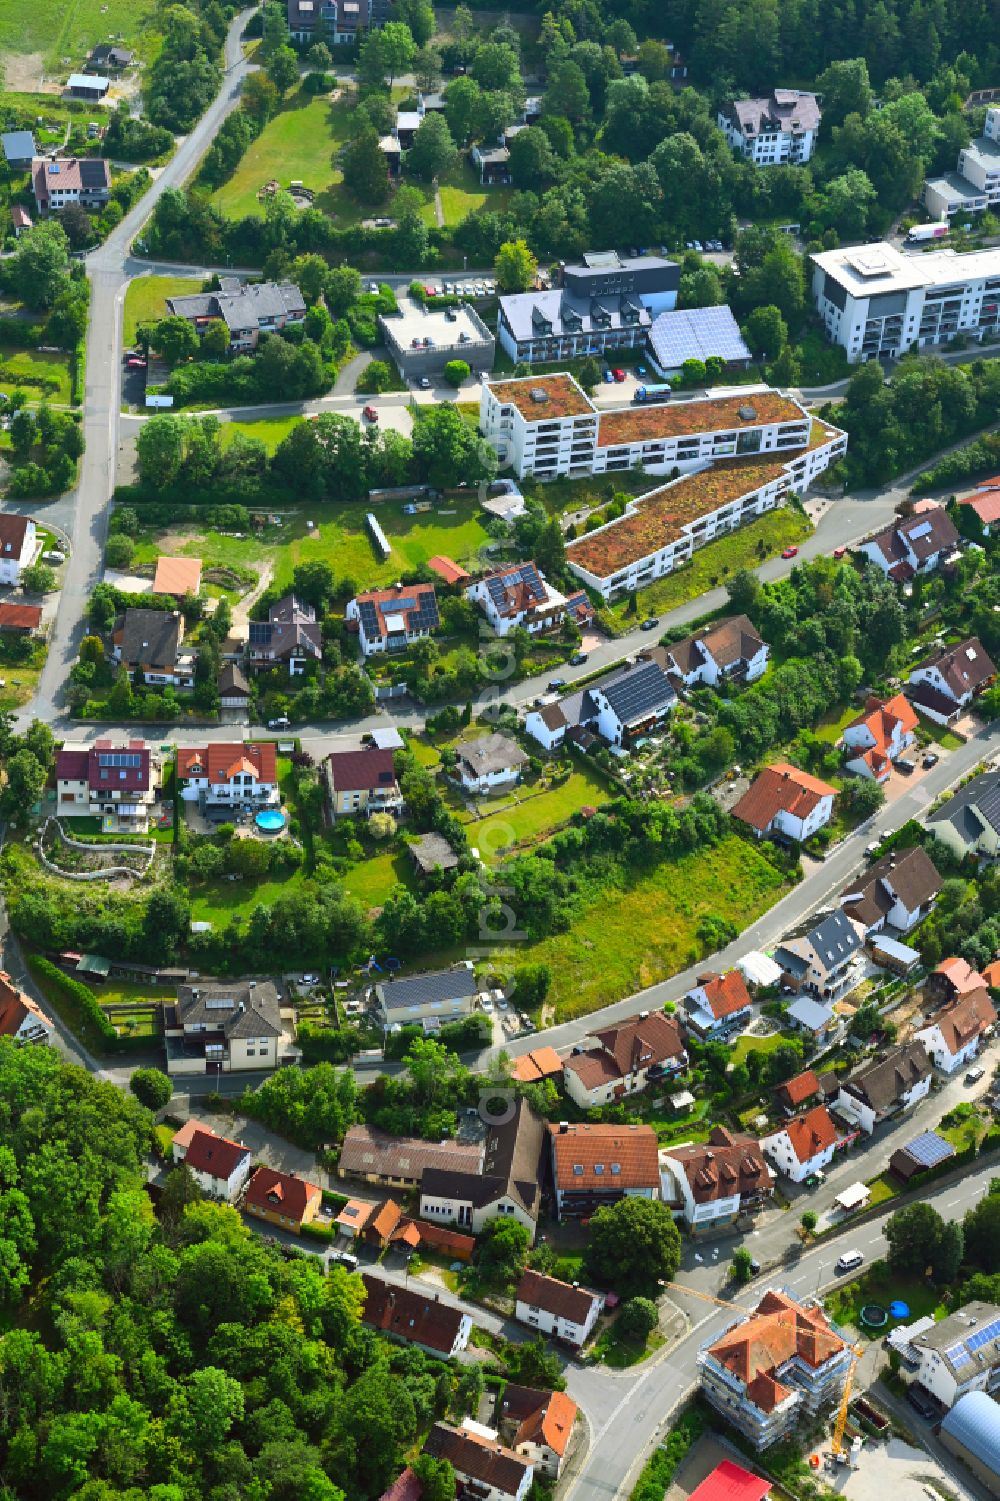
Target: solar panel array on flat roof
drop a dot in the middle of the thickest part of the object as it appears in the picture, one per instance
(929, 1149)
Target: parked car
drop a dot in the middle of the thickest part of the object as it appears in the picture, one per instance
(425, 384)
(840, 552)
(609, 379)
(346, 1258)
(931, 759)
(790, 552)
(650, 624)
(921, 1403)
(906, 765)
(281, 723)
(619, 375)
(555, 684)
(849, 1262)
(373, 287)
(974, 1075)
(577, 659)
(370, 414)
(310, 979)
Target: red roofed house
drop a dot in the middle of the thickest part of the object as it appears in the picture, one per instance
(17, 545)
(282, 1199)
(715, 1183)
(731, 1482)
(769, 1372)
(116, 783)
(718, 1003)
(879, 736)
(21, 220)
(537, 1424)
(784, 800)
(953, 1036)
(392, 619)
(484, 1469)
(416, 1318)
(955, 977)
(362, 781)
(21, 1018)
(985, 502)
(600, 1164)
(621, 1060)
(406, 1487)
(230, 775)
(220, 1167)
(22, 619)
(563, 1310)
(794, 1093)
(805, 1144)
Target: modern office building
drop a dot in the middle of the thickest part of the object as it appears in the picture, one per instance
(877, 301)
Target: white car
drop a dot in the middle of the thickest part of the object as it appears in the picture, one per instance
(480, 290)
(486, 1003)
(449, 288)
(310, 979)
(373, 287)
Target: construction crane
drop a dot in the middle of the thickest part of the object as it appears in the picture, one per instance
(841, 1423)
(682, 1287)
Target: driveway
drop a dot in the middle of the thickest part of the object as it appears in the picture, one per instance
(273, 1151)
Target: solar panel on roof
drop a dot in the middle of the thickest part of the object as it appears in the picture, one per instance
(929, 1149)
(92, 174)
(260, 632)
(130, 759)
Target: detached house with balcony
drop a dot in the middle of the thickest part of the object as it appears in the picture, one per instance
(775, 1369)
(879, 736)
(959, 1354)
(621, 1060)
(562, 1310)
(222, 1027)
(914, 544)
(428, 1000)
(823, 960)
(728, 650)
(805, 1144)
(248, 309)
(148, 642)
(781, 799)
(70, 179)
(220, 1167)
(717, 1004)
(17, 546)
(711, 1185)
(518, 596)
(600, 1164)
(485, 1470)
(969, 822)
(492, 762)
(362, 781)
(392, 619)
(886, 1088)
(954, 1036)
(116, 784)
(779, 130)
(225, 778)
(898, 891)
(290, 637)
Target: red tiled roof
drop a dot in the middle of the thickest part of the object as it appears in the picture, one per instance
(731, 1482)
(880, 717)
(723, 1166)
(447, 570)
(483, 1461)
(15, 1007)
(12, 533)
(561, 1299)
(101, 759)
(966, 1018)
(220, 761)
(361, 771)
(796, 1091)
(780, 787)
(20, 617)
(630, 1149)
(991, 974)
(760, 1346)
(812, 1133)
(215, 1155)
(540, 1063)
(410, 1315)
(281, 1193)
(72, 763)
(960, 975)
(406, 1487)
(986, 506)
(725, 994)
(637, 1043)
(548, 1417)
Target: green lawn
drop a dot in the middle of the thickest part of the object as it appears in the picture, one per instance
(844, 1306)
(121, 993)
(457, 531)
(270, 431)
(33, 371)
(373, 879)
(633, 937)
(939, 734)
(62, 30)
(19, 680)
(712, 565)
(463, 194)
(833, 725)
(534, 814)
(145, 299)
(299, 144)
(745, 1045)
(219, 901)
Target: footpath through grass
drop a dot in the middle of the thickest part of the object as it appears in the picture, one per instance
(752, 545)
(646, 931)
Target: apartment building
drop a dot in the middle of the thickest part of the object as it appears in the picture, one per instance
(713, 1184)
(337, 21)
(780, 129)
(957, 1355)
(598, 1164)
(775, 1369)
(518, 595)
(974, 186)
(877, 302)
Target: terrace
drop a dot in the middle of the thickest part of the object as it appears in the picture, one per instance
(709, 415)
(563, 397)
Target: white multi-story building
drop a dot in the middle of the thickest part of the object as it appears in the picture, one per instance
(958, 1355)
(953, 1037)
(975, 186)
(780, 129)
(876, 301)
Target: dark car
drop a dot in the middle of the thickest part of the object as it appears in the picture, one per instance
(578, 659)
(931, 759)
(905, 765)
(556, 683)
(921, 1403)
(650, 624)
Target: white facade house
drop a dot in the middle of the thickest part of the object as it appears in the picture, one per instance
(230, 776)
(974, 186)
(622, 1059)
(21, 1018)
(879, 736)
(954, 1036)
(876, 301)
(518, 596)
(887, 1088)
(913, 544)
(898, 890)
(777, 130)
(429, 1000)
(783, 799)
(491, 762)
(713, 1184)
(17, 546)
(803, 1145)
(565, 1311)
(219, 1166)
(958, 672)
(483, 1467)
(390, 620)
(726, 650)
(957, 1355)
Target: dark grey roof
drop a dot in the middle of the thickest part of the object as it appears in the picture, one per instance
(246, 308)
(18, 145)
(231, 680)
(150, 637)
(514, 1163)
(417, 990)
(974, 1422)
(785, 109)
(431, 851)
(882, 1084)
(240, 1008)
(834, 939)
(638, 692)
(491, 753)
(538, 315)
(974, 806)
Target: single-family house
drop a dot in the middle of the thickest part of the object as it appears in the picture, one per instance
(392, 619)
(234, 690)
(888, 1087)
(21, 1018)
(958, 672)
(713, 1184)
(116, 783)
(490, 762)
(414, 1317)
(362, 781)
(953, 978)
(564, 1310)
(805, 1144)
(899, 891)
(804, 1089)
(969, 822)
(282, 1199)
(782, 799)
(600, 1164)
(775, 1368)
(717, 1004)
(428, 1000)
(177, 576)
(17, 545)
(518, 596)
(290, 637)
(248, 309)
(824, 959)
(537, 1425)
(953, 1036)
(373, 1156)
(70, 179)
(879, 736)
(621, 705)
(508, 1183)
(223, 1026)
(959, 1354)
(228, 777)
(622, 1059)
(149, 642)
(18, 149)
(912, 544)
(485, 1470)
(219, 1166)
(728, 650)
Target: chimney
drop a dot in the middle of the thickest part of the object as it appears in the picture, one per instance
(563, 1128)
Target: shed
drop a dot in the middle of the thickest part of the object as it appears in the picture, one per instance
(88, 85)
(892, 954)
(920, 1155)
(431, 852)
(387, 739)
(94, 964)
(853, 1198)
(18, 149)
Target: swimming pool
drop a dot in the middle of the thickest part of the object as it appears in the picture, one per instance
(271, 820)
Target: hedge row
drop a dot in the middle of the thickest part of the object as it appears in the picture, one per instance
(81, 995)
(660, 1467)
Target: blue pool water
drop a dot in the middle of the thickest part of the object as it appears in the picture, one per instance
(270, 820)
